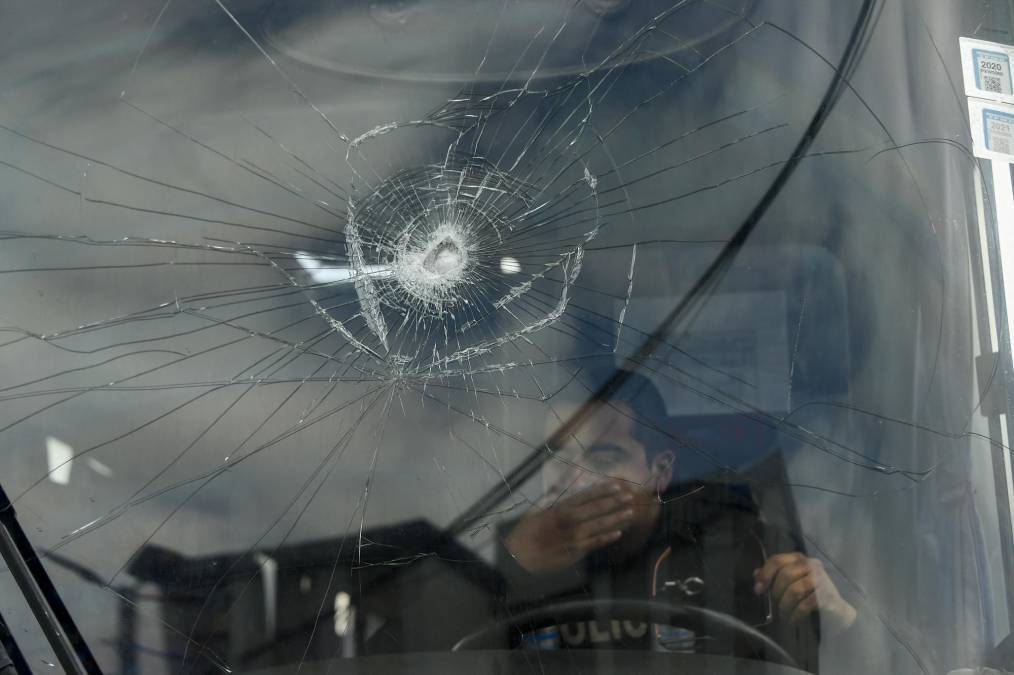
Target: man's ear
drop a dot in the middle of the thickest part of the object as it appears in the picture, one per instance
(662, 468)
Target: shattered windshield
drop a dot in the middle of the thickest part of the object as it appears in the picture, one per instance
(502, 336)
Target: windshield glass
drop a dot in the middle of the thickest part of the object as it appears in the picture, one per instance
(505, 336)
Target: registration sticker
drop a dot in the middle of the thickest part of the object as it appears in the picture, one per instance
(992, 72)
(986, 67)
(992, 129)
(998, 130)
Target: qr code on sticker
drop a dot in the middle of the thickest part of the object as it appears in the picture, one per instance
(1000, 145)
(992, 84)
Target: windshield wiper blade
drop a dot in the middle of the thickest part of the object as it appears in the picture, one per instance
(12, 661)
(41, 595)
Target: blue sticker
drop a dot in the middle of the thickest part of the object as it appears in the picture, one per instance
(992, 72)
(998, 129)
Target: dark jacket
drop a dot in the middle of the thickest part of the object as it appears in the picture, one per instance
(707, 541)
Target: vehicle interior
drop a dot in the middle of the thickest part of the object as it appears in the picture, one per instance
(314, 316)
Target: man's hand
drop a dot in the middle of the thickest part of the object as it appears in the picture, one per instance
(549, 539)
(800, 586)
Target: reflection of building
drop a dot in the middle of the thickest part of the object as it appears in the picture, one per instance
(408, 587)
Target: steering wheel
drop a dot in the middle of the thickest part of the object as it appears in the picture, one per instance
(719, 624)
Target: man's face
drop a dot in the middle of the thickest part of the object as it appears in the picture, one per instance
(605, 448)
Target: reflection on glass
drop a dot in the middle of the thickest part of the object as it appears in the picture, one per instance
(391, 336)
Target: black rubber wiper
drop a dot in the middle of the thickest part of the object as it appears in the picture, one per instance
(68, 645)
(12, 661)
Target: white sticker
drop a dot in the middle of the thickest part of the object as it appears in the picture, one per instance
(987, 70)
(992, 126)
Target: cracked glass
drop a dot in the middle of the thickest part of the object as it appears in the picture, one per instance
(504, 336)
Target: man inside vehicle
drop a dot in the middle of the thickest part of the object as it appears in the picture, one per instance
(614, 524)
